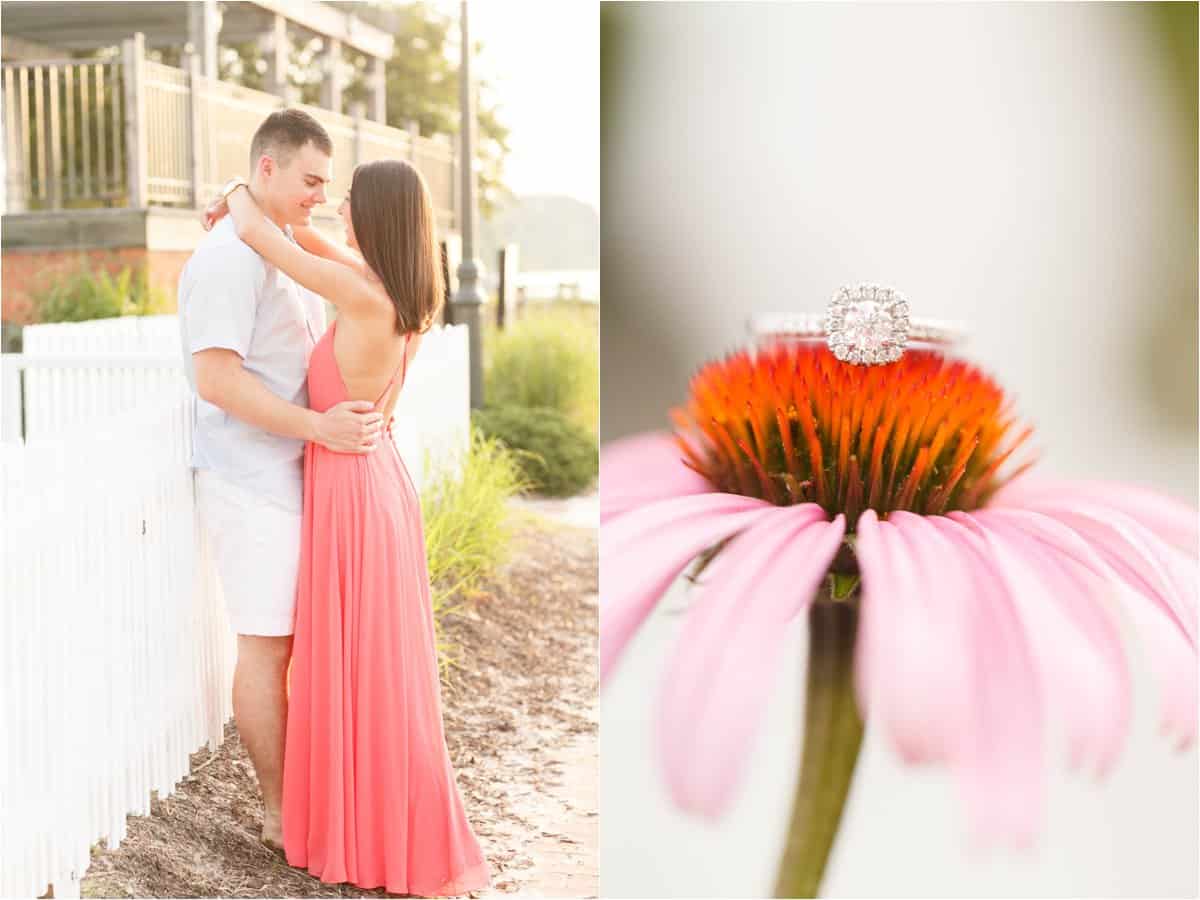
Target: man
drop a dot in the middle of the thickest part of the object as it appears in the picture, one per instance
(247, 332)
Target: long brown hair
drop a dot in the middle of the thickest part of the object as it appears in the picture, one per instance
(392, 217)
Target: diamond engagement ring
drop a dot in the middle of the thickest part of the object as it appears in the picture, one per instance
(866, 324)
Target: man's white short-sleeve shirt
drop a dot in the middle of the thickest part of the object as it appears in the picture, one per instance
(231, 297)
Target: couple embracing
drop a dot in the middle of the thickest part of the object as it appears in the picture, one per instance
(312, 518)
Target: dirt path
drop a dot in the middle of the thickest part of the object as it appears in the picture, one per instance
(565, 856)
(521, 726)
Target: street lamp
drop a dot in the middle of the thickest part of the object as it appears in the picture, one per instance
(468, 298)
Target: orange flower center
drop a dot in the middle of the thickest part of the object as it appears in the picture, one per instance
(793, 424)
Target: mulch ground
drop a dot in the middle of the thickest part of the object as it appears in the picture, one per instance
(525, 687)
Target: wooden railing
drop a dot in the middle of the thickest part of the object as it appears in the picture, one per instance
(130, 132)
(64, 138)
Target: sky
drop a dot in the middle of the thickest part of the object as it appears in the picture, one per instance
(542, 61)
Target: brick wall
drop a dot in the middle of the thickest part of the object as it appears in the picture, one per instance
(23, 271)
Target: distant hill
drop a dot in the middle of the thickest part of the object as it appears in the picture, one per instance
(554, 231)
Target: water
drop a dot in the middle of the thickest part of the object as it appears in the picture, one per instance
(554, 284)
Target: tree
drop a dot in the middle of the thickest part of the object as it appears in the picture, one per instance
(422, 81)
(422, 85)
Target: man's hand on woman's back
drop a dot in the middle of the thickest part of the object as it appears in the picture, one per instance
(352, 426)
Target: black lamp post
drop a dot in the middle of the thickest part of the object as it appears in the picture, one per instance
(468, 298)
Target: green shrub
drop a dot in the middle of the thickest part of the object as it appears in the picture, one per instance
(81, 294)
(547, 358)
(557, 456)
(467, 532)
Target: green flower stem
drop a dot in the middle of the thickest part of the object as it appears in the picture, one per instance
(832, 737)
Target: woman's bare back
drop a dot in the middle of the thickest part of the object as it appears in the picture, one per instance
(368, 352)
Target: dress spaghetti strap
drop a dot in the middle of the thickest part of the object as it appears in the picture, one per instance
(401, 370)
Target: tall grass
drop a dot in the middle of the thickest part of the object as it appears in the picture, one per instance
(467, 530)
(547, 358)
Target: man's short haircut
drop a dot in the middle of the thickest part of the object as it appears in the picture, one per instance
(284, 132)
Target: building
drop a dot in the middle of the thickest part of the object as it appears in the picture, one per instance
(111, 157)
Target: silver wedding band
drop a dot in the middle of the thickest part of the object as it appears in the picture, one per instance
(812, 325)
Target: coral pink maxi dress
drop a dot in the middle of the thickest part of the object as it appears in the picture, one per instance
(369, 794)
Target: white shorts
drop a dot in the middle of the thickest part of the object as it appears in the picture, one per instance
(256, 548)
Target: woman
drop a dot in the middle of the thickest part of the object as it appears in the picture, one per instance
(369, 794)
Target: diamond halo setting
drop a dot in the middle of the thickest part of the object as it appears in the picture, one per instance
(864, 324)
(867, 324)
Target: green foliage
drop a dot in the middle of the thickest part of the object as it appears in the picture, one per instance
(548, 358)
(467, 532)
(422, 85)
(82, 294)
(422, 80)
(557, 456)
(11, 338)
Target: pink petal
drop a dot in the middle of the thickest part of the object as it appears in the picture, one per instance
(876, 612)
(723, 665)
(641, 469)
(1183, 572)
(1169, 519)
(1002, 768)
(1074, 634)
(901, 666)
(643, 551)
(1136, 555)
(1173, 662)
(1169, 653)
(925, 671)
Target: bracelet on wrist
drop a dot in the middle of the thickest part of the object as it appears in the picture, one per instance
(232, 185)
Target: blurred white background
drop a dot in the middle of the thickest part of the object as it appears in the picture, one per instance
(1031, 168)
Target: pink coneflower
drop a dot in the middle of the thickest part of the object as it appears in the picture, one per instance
(954, 600)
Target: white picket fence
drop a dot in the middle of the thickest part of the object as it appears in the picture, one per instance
(124, 334)
(116, 654)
